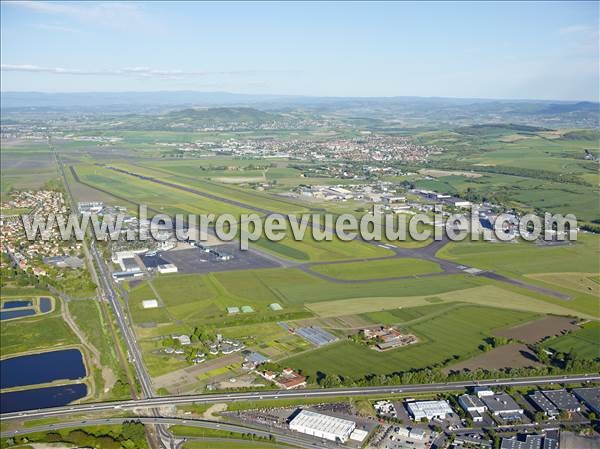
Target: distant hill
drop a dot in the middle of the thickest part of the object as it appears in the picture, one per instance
(582, 106)
(201, 118)
(499, 128)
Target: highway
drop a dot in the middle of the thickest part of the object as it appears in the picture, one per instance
(296, 440)
(154, 402)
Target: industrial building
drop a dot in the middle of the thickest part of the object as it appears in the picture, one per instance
(503, 406)
(590, 397)
(429, 409)
(322, 426)
(563, 400)
(472, 405)
(529, 442)
(544, 404)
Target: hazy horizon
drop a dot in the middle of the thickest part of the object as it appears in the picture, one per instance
(543, 51)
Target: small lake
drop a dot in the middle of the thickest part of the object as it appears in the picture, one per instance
(45, 305)
(16, 401)
(66, 364)
(17, 303)
(8, 314)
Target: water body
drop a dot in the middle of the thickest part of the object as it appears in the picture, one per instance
(21, 371)
(8, 314)
(16, 401)
(17, 303)
(45, 305)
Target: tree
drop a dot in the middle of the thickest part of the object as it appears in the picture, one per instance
(133, 430)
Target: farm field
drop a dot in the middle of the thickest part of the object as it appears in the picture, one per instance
(514, 355)
(377, 269)
(535, 331)
(452, 337)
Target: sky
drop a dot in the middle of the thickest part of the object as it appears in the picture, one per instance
(508, 50)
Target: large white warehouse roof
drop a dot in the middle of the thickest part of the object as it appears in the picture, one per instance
(322, 426)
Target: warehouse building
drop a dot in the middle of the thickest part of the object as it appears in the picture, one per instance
(590, 397)
(322, 426)
(503, 406)
(429, 409)
(563, 400)
(472, 405)
(529, 442)
(543, 404)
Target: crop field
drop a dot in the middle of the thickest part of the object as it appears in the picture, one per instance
(582, 343)
(452, 337)
(378, 269)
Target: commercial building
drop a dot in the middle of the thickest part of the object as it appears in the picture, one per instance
(167, 268)
(529, 442)
(503, 406)
(563, 400)
(129, 264)
(322, 426)
(482, 391)
(472, 405)
(543, 404)
(429, 409)
(590, 397)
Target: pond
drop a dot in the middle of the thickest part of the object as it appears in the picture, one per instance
(8, 314)
(45, 305)
(66, 364)
(17, 303)
(16, 401)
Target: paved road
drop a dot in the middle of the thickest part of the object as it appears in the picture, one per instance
(296, 440)
(277, 394)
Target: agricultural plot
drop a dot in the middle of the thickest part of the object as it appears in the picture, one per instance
(446, 339)
(378, 269)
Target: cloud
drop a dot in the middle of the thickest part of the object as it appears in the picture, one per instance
(573, 29)
(117, 15)
(139, 72)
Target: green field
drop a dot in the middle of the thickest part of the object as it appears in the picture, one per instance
(378, 269)
(454, 336)
(583, 343)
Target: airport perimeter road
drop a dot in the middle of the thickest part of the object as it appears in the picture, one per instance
(290, 394)
(296, 440)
